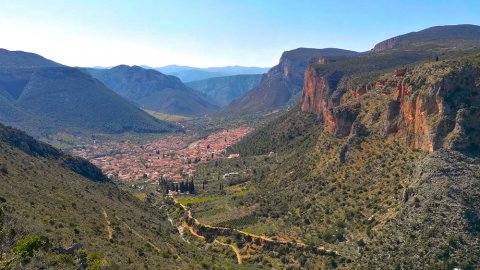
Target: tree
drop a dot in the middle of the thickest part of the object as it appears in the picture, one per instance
(192, 187)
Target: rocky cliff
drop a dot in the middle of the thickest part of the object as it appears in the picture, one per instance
(430, 106)
(282, 85)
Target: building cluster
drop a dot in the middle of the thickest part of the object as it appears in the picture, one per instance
(171, 158)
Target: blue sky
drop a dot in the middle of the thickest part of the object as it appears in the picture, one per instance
(211, 32)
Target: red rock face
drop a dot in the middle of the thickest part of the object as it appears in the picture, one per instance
(427, 119)
(316, 100)
(423, 117)
(417, 128)
(330, 121)
(313, 91)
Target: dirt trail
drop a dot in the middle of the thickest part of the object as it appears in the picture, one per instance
(192, 231)
(264, 238)
(234, 248)
(107, 225)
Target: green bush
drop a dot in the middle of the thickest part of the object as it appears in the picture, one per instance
(26, 246)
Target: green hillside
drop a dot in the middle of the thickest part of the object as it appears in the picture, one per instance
(371, 195)
(225, 89)
(58, 212)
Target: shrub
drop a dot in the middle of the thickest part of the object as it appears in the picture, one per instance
(26, 246)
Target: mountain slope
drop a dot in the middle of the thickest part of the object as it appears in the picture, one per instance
(433, 36)
(438, 220)
(380, 165)
(283, 83)
(49, 98)
(225, 89)
(53, 217)
(155, 91)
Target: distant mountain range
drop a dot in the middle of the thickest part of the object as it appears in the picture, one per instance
(153, 90)
(225, 89)
(189, 74)
(44, 97)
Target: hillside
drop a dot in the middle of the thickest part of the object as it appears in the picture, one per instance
(380, 166)
(45, 100)
(190, 74)
(225, 89)
(155, 91)
(282, 84)
(52, 217)
(432, 36)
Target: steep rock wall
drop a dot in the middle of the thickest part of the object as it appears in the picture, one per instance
(429, 107)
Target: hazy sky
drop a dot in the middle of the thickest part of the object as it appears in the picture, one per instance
(211, 33)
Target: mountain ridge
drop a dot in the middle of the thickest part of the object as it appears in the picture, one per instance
(154, 90)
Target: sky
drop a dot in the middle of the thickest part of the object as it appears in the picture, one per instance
(207, 33)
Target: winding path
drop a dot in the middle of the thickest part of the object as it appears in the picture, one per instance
(234, 248)
(320, 249)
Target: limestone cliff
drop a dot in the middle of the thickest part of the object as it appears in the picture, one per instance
(429, 106)
(282, 85)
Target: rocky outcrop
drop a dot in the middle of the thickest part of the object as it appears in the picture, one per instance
(429, 107)
(342, 120)
(314, 90)
(318, 99)
(426, 113)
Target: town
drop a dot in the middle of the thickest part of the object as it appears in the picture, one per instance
(171, 158)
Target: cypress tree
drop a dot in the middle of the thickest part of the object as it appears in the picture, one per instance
(192, 187)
